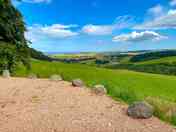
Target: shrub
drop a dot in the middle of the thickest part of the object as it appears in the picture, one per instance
(8, 57)
(125, 94)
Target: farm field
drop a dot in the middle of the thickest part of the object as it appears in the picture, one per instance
(72, 56)
(163, 65)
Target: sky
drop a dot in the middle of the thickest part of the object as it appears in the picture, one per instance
(99, 25)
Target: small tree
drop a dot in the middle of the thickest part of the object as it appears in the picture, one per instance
(13, 45)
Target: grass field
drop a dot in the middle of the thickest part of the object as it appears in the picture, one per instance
(72, 56)
(121, 84)
(142, 84)
(164, 65)
(166, 60)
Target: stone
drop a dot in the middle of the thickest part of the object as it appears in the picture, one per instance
(32, 76)
(99, 89)
(77, 83)
(140, 110)
(56, 78)
(6, 74)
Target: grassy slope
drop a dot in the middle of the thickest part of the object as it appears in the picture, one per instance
(158, 61)
(117, 81)
(71, 56)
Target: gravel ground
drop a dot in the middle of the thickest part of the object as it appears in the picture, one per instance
(45, 106)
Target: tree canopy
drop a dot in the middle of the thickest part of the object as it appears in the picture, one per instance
(12, 30)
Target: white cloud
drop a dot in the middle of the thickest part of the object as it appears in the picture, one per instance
(167, 21)
(138, 37)
(16, 2)
(55, 31)
(120, 22)
(173, 3)
(37, 1)
(98, 29)
(156, 11)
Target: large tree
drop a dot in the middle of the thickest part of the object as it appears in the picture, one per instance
(13, 45)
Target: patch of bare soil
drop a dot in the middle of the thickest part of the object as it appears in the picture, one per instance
(45, 106)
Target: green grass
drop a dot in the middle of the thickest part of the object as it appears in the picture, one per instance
(72, 56)
(125, 60)
(126, 85)
(142, 84)
(165, 65)
(166, 60)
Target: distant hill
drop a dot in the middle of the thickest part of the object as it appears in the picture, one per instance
(39, 55)
(153, 55)
(160, 62)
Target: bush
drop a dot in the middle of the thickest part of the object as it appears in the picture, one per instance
(8, 57)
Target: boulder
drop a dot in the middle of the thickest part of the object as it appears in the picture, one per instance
(56, 78)
(6, 74)
(77, 83)
(99, 90)
(140, 110)
(32, 76)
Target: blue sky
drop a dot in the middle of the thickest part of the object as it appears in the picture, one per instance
(99, 25)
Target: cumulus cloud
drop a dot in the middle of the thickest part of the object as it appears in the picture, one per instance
(156, 11)
(120, 22)
(98, 29)
(55, 31)
(167, 21)
(173, 3)
(139, 37)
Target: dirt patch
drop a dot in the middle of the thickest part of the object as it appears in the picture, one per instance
(45, 106)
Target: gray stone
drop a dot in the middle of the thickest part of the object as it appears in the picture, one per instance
(32, 76)
(77, 83)
(56, 78)
(141, 110)
(6, 74)
(99, 89)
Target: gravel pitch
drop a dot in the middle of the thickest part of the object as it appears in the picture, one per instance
(42, 105)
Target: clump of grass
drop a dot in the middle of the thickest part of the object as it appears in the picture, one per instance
(128, 95)
(165, 110)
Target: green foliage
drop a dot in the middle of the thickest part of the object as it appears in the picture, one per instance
(11, 23)
(39, 55)
(12, 36)
(125, 94)
(163, 109)
(165, 65)
(153, 55)
(8, 57)
(101, 61)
